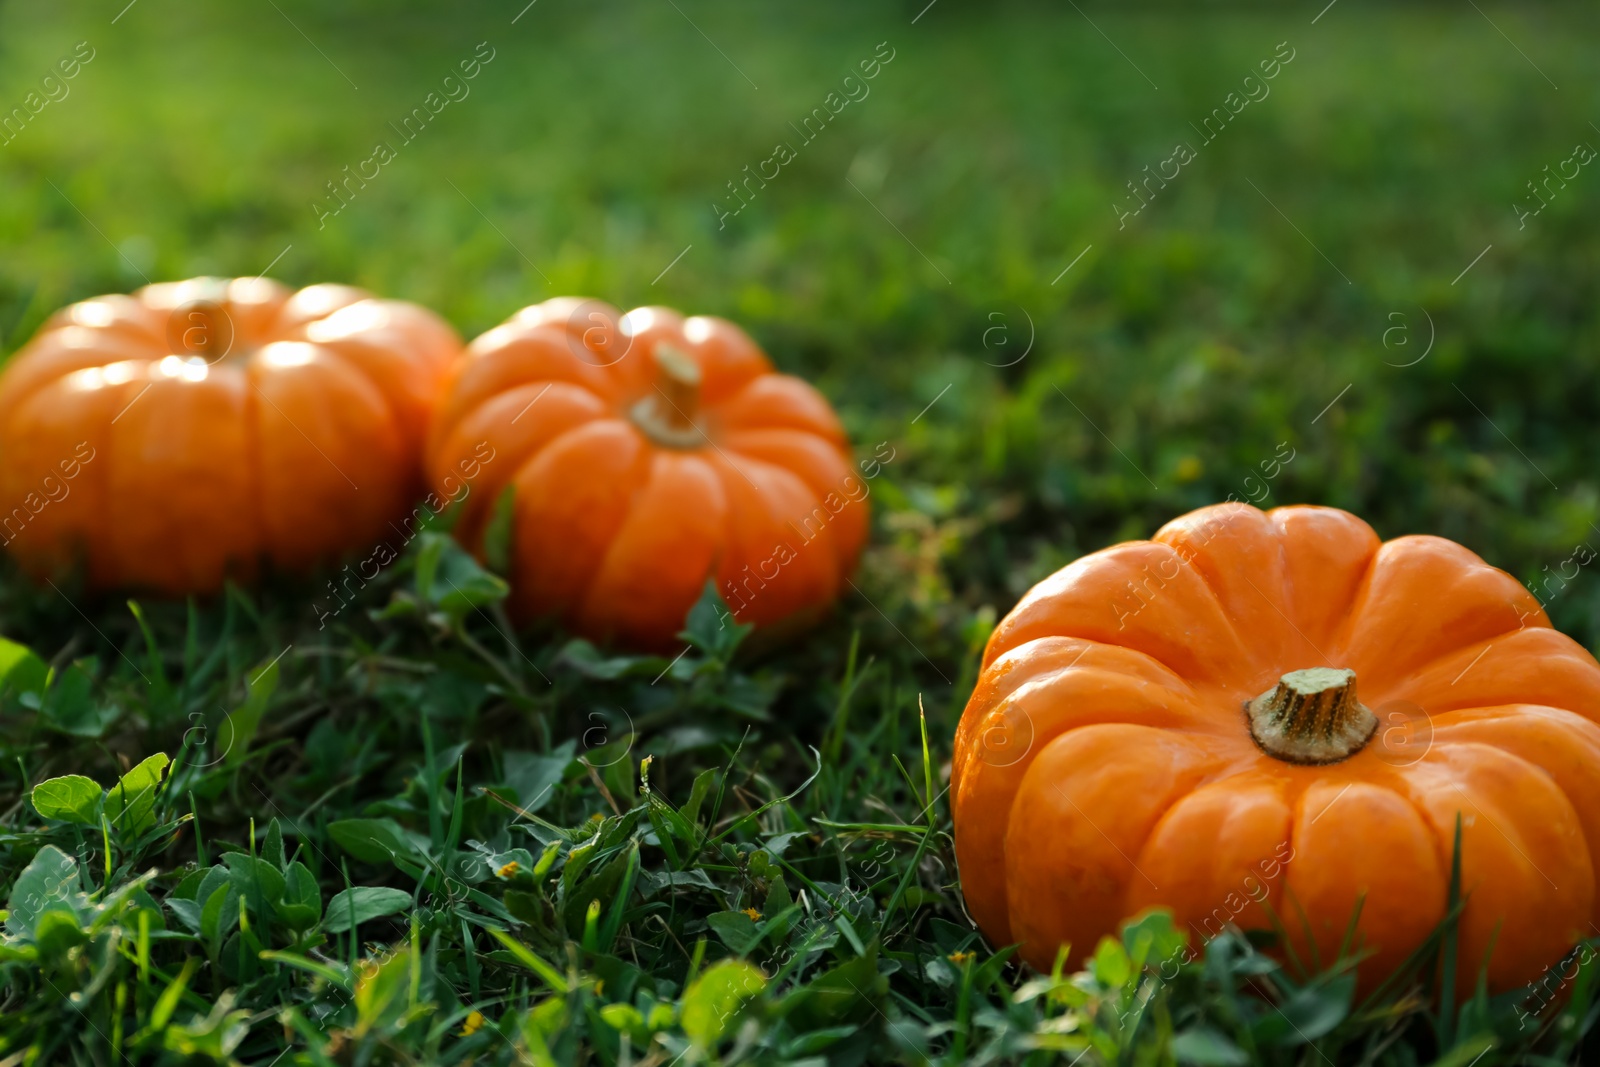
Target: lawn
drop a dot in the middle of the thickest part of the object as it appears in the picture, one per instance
(412, 835)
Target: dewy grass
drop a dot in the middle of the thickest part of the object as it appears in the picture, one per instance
(582, 930)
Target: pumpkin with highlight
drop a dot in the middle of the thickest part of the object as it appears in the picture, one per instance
(640, 456)
(226, 422)
(1268, 719)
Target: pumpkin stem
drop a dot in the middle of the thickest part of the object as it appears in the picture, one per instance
(203, 322)
(1311, 716)
(200, 335)
(678, 380)
(667, 414)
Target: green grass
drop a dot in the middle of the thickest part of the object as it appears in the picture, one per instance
(903, 257)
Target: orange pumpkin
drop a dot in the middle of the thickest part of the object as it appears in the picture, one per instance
(177, 436)
(647, 453)
(1275, 710)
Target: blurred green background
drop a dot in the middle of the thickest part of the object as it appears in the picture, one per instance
(919, 246)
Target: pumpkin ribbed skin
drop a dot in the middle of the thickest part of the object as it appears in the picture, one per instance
(225, 422)
(616, 532)
(1105, 763)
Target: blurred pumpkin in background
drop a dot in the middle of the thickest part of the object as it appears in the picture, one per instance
(645, 454)
(179, 436)
(1259, 714)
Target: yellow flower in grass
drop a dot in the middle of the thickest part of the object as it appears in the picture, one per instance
(755, 916)
(509, 869)
(473, 1024)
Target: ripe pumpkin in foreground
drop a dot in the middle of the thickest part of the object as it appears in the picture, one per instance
(1275, 710)
(177, 436)
(647, 453)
